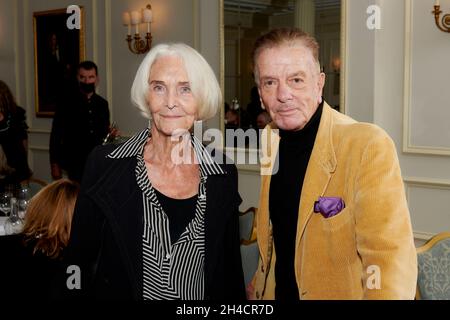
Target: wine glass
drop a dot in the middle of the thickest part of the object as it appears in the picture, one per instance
(13, 224)
(23, 198)
(5, 202)
(112, 133)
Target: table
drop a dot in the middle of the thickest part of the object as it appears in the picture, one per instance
(2, 229)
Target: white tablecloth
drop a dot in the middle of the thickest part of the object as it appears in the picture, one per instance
(2, 229)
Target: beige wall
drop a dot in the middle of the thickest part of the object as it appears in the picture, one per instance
(411, 102)
(398, 79)
(192, 21)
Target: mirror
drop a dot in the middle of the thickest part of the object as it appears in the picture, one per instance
(242, 21)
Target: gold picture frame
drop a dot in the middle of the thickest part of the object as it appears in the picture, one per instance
(57, 52)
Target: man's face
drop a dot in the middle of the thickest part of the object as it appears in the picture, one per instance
(87, 76)
(290, 85)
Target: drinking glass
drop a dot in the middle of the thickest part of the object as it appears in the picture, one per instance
(5, 202)
(23, 198)
(111, 136)
(13, 224)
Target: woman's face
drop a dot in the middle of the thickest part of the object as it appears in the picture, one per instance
(172, 105)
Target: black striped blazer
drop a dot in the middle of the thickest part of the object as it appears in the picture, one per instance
(106, 236)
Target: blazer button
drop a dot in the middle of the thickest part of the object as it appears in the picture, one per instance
(262, 268)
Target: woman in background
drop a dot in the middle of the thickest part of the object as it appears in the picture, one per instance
(13, 141)
(32, 259)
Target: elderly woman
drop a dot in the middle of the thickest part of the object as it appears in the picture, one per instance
(147, 225)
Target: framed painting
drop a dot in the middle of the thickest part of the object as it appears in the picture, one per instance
(57, 52)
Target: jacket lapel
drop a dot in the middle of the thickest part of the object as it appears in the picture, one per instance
(270, 141)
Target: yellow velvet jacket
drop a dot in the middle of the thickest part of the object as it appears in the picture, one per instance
(367, 250)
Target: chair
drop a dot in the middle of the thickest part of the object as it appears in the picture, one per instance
(434, 268)
(249, 246)
(247, 225)
(34, 185)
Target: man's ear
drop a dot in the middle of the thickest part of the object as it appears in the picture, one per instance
(320, 84)
(260, 99)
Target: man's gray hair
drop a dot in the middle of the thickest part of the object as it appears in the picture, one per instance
(284, 36)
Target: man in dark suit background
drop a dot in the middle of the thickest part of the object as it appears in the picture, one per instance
(81, 122)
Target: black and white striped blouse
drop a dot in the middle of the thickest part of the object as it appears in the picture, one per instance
(170, 271)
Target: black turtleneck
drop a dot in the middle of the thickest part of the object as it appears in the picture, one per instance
(284, 199)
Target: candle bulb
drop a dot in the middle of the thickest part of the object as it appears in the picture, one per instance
(126, 20)
(147, 17)
(135, 19)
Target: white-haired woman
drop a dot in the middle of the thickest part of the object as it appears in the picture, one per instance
(147, 225)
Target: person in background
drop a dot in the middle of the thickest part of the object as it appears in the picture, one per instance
(263, 119)
(31, 260)
(157, 217)
(231, 119)
(81, 123)
(13, 141)
(333, 221)
(51, 71)
(254, 107)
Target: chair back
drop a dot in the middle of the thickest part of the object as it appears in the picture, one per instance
(247, 225)
(34, 185)
(249, 246)
(433, 259)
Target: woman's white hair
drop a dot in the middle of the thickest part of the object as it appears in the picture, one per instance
(202, 79)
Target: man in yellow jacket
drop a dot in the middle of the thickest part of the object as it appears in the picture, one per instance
(333, 221)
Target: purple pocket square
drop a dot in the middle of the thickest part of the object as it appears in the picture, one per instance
(329, 206)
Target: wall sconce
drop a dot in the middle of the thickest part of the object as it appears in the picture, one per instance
(445, 19)
(135, 18)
